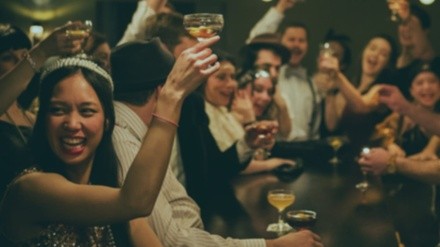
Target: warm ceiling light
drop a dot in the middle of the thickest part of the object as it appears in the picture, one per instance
(266, 1)
(427, 2)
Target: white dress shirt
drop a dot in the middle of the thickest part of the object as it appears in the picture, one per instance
(175, 217)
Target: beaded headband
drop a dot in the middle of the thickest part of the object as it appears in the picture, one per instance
(76, 61)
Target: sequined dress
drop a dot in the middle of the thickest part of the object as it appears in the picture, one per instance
(60, 235)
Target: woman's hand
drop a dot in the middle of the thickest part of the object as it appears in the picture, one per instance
(261, 134)
(242, 107)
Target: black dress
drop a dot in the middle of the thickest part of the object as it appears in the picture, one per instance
(208, 170)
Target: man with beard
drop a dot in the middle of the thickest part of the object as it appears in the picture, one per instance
(298, 90)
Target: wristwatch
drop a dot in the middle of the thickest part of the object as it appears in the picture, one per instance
(391, 165)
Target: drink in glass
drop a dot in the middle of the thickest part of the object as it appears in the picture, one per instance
(280, 199)
(335, 143)
(364, 185)
(203, 25)
(301, 219)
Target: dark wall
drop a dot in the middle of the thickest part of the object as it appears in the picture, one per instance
(360, 19)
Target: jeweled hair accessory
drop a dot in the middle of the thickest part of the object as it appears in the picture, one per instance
(76, 61)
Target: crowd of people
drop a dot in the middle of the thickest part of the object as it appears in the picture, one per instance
(99, 151)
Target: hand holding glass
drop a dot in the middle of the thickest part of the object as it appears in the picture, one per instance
(262, 130)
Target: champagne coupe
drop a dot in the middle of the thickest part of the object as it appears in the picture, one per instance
(280, 199)
(364, 185)
(301, 219)
(326, 50)
(262, 130)
(81, 32)
(203, 25)
(335, 143)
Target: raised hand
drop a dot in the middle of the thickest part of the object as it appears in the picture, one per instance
(192, 67)
(393, 98)
(283, 5)
(261, 134)
(400, 7)
(375, 161)
(58, 43)
(242, 107)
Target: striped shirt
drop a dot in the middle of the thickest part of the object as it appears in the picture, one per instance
(175, 217)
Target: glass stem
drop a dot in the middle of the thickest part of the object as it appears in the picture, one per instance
(280, 221)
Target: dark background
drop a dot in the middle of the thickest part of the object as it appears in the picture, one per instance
(360, 19)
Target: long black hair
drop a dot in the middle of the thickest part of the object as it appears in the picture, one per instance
(105, 164)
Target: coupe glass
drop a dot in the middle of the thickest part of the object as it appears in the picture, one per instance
(262, 130)
(301, 219)
(81, 32)
(203, 25)
(280, 199)
(326, 50)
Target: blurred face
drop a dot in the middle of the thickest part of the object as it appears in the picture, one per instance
(425, 89)
(376, 56)
(269, 60)
(102, 53)
(184, 44)
(9, 59)
(295, 39)
(221, 85)
(412, 35)
(262, 94)
(75, 121)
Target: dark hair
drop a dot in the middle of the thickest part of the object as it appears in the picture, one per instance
(13, 38)
(248, 77)
(295, 24)
(135, 98)
(421, 14)
(168, 27)
(392, 60)
(105, 164)
(421, 66)
(97, 40)
(222, 56)
(343, 40)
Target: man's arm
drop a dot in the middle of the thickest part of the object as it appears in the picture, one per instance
(378, 161)
(271, 20)
(393, 98)
(136, 28)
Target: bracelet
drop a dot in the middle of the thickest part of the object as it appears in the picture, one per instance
(31, 61)
(165, 120)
